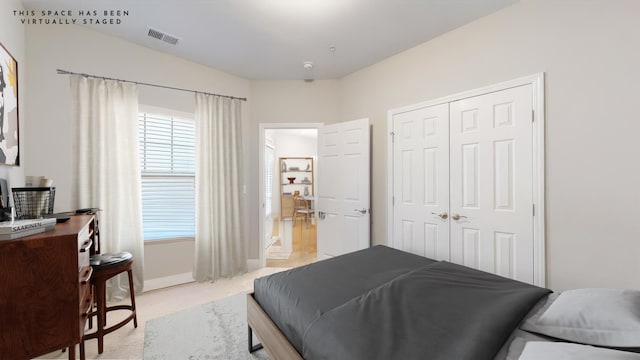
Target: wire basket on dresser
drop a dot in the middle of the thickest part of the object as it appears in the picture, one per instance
(33, 202)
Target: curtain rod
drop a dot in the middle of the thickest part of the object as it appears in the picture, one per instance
(65, 72)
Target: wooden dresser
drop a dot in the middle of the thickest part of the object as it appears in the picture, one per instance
(44, 289)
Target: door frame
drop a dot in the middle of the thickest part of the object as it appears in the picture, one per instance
(263, 127)
(538, 118)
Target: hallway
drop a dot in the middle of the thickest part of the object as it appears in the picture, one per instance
(304, 246)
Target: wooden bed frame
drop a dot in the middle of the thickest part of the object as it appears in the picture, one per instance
(272, 340)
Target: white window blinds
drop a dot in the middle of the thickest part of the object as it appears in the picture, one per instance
(167, 160)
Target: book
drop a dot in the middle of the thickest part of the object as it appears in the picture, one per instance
(27, 232)
(9, 227)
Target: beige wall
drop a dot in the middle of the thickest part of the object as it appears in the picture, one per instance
(13, 40)
(47, 149)
(284, 102)
(168, 258)
(589, 52)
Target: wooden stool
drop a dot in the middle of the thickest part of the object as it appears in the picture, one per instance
(106, 266)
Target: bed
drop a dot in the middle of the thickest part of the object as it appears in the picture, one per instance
(382, 303)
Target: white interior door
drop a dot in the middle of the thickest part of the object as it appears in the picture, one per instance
(421, 181)
(269, 165)
(492, 183)
(343, 188)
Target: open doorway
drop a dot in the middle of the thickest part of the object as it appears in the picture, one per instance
(287, 190)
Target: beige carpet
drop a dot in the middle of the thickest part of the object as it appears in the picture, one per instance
(128, 342)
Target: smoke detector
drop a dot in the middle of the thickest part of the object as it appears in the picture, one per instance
(308, 65)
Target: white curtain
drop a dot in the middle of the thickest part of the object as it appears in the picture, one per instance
(220, 249)
(107, 167)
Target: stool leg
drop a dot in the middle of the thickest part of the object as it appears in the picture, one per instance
(82, 355)
(101, 293)
(72, 352)
(92, 306)
(132, 295)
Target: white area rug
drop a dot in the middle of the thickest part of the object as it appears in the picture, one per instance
(216, 330)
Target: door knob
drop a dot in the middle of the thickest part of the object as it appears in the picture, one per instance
(457, 216)
(361, 211)
(443, 215)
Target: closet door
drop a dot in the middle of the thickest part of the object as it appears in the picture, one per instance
(421, 181)
(491, 214)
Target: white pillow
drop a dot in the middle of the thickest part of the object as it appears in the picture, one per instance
(535, 350)
(605, 317)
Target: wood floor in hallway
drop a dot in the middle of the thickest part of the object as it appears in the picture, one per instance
(304, 246)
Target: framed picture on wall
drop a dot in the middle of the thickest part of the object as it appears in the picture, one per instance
(9, 149)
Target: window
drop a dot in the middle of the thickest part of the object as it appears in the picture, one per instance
(167, 161)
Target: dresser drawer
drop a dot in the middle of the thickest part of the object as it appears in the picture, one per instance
(84, 284)
(84, 254)
(84, 234)
(85, 241)
(85, 295)
(85, 299)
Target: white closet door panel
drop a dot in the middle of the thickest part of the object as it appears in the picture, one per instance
(421, 181)
(491, 182)
(469, 175)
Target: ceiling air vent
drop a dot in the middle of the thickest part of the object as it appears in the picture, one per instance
(160, 35)
(170, 39)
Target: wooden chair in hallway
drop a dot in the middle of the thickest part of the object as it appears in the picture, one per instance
(301, 209)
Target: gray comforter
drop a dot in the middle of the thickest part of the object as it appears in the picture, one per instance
(439, 311)
(295, 298)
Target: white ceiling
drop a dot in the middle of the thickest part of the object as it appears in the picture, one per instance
(271, 39)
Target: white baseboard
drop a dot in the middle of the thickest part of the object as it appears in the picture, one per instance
(271, 241)
(184, 278)
(163, 282)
